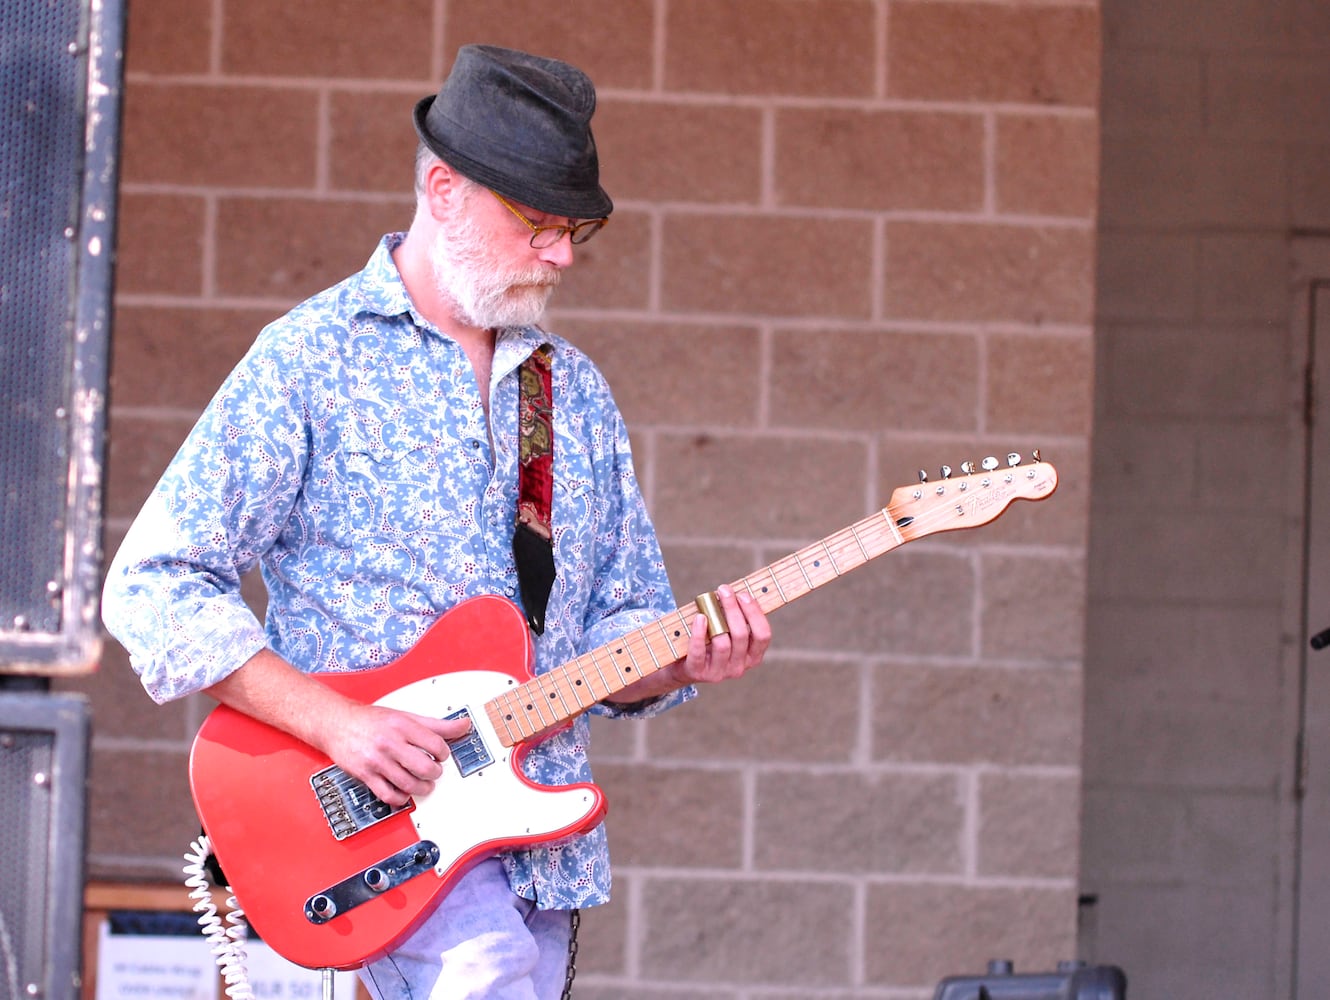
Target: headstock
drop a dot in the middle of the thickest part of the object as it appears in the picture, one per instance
(975, 497)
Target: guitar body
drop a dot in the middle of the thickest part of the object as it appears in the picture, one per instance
(321, 877)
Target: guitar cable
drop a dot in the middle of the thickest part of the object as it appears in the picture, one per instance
(228, 942)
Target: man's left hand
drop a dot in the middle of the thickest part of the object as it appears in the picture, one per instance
(730, 654)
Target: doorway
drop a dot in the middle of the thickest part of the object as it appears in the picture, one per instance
(1310, 914)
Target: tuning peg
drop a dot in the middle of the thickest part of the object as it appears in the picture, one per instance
(923, 475)
(1035, 455)
(945, 471)
(967, 468)
(1013, 460)
(989, 464)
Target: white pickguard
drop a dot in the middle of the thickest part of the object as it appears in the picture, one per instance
(492, 804)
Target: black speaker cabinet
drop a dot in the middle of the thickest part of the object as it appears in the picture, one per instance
(43, 791)
(60, 82)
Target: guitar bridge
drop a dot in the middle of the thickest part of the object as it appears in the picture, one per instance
(347, 803)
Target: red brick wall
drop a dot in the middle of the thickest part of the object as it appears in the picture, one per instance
(853, 238)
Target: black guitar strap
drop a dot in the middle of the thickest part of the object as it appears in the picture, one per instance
(533, 535)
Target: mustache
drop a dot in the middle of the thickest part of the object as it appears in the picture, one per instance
(544, 277)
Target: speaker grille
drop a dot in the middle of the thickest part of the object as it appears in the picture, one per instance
(24, 838)
(42, 169)
(43, 778)
(59, 104)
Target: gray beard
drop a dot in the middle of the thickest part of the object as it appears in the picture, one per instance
(480, 293)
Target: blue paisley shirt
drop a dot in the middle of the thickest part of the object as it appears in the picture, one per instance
(348, 456)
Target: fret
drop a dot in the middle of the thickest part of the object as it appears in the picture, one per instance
(612, 684)
(606, 689)
(790, 591)
(831, 557)
(891, 525)
(655, 660)
(821, 573)
(762, 594)
(626, 649)
(584, 682)
(841, 556)
(807, 580)
(665, 634)
(514, 717)
(552, 689)
(854, 533)
(574, 688)
(854, 546)
(532, 705)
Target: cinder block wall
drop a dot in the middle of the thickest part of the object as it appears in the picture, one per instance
(1216, 136)
(853, 238)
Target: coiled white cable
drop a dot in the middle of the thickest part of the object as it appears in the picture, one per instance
(228, 942)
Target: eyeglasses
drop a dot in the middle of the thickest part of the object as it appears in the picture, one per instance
(546, 236)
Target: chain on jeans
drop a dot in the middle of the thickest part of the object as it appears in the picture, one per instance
(575, 921)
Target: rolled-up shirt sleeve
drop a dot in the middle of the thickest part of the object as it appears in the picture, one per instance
(172, 594)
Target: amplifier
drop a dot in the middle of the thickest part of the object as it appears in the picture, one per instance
(1071, 981)
(60, 81)
(43, 788)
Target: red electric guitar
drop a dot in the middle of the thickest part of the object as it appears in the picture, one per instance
(331, 877)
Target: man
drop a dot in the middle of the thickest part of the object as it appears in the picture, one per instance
(365, 454)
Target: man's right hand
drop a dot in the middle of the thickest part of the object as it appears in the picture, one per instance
(397, 754)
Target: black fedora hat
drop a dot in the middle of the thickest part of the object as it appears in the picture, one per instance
(520, 125)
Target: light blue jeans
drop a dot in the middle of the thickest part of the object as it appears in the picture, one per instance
(482, 943)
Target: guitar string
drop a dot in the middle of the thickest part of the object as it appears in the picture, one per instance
(792, 569)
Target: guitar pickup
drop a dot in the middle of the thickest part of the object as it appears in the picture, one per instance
(378, 878)
(469, 751)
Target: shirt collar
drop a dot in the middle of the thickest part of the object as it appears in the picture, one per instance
(379, 285)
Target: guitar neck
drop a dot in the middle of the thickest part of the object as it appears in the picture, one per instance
(572, 688)
(567, 691)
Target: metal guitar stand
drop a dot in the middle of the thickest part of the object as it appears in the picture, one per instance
(1071, 981)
